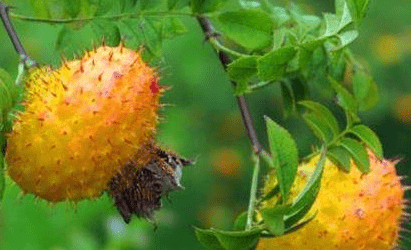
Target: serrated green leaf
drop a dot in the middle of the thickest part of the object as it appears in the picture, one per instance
(208, 238)
(319, 126)
(272, 65)
(108, 31)
(151, 32)
(322, 111)
(369, 137)
(285, 155)
(346, 38)
(358, 9)
(365, 90)
(204, 6)
(274, 218)
(340, 157)
(358, 153)
(241, 70)
(251, 29)
(306, 198)
(238, 240)
(336, 23)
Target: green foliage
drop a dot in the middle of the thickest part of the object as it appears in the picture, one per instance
(358, 153)
(111, 21)
(368, 136)
(204, 6)
(284, 154)
(228, 240)
(321, 121)
(251, 29)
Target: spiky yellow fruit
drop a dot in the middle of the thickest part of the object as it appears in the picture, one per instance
(354, 210)
(82, 123)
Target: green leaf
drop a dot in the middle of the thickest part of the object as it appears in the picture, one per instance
(149, 4)
(272, 65)
(322, 111)
(238, 240)
(6, 102)
(346, 38)
(204, 6)
(358, 9)
(173, 27)
(177, 4)
(318, 126)
(251, 29)
(108, 31)
(288, 100)
(208, 238)
(365, 90)
(368, 136)
(72, 7)
(306, 198)
(358, 153)
(280, 15)
(345, 100)
(285, 155)
(150, 32)
(105, 6)
(40, 8)
(241, 70)
(272, 193)
(274, 218)
(240, 222)
(64, 37)
(340, 157)
(335, 23)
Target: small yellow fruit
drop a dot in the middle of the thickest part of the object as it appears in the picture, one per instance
(82, 123)
(355, 210)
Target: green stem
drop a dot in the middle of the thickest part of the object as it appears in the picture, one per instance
(113, 17)
(221, 47)
(253, 192)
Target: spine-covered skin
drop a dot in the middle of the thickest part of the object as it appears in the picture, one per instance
(352, 210)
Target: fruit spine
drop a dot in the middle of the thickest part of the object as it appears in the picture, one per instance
(355, 210)
(82, 123)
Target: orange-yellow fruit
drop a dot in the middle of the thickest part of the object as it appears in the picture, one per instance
(355, 211)
(82, 123)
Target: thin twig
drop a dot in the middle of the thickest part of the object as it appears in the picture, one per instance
(242, 103)
(253, 192)
(110, 17)
(13, 36)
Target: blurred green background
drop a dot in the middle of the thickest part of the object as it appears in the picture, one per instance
(203, 121)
